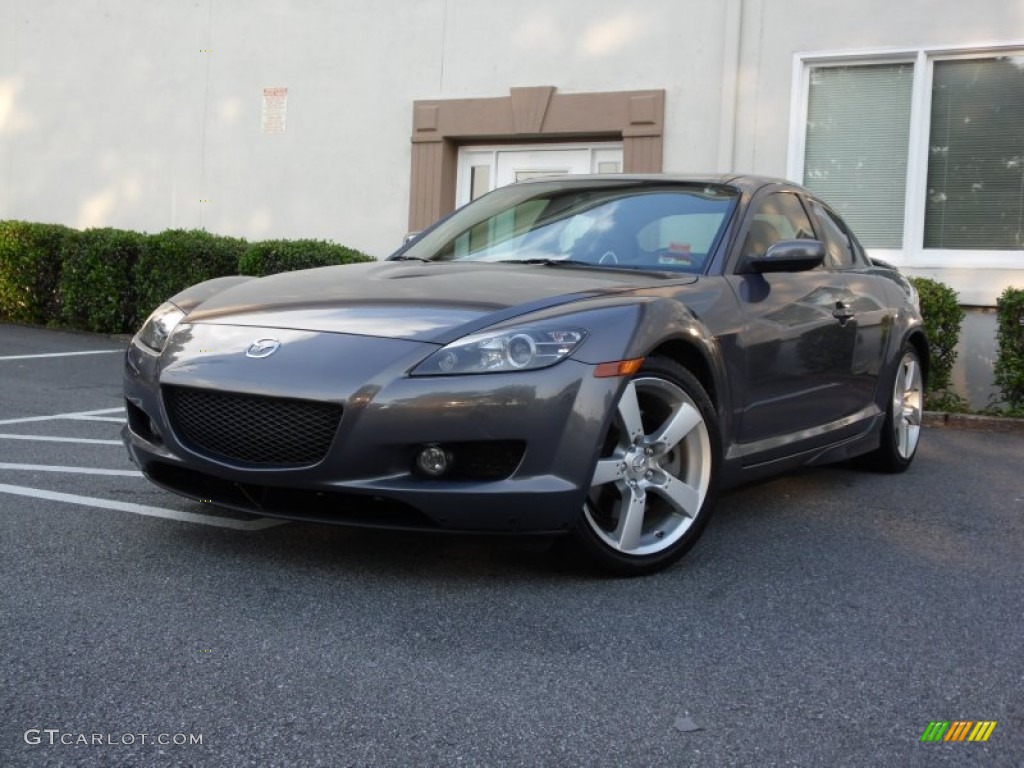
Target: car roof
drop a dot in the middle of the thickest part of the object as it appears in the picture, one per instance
(745, 182)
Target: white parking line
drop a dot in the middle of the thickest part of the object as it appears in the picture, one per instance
(141, 509)
(61, 354)
(71, 470)
(47, 439)
(95, 418)
(72, 415)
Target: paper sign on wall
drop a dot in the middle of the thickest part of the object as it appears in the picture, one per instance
(275, 110)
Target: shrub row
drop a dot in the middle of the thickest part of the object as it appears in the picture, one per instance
(30, 269)
(943, 316)
(109, 280)
(1009, 367)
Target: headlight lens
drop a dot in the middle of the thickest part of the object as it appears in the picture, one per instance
(516, 349)
(159, 325)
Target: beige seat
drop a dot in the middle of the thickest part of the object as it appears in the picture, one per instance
(760, 238)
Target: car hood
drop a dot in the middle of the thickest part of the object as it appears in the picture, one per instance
(434, 302)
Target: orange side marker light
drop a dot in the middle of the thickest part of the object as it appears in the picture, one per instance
(618, 368)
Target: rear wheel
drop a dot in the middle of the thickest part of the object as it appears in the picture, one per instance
(901, 431)
(654, 480)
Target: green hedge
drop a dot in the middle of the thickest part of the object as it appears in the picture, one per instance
(177, 258)
(943, 316)
(272, 256)
(1009, 367)
(109, 280)
(30, 261)
(97, 290)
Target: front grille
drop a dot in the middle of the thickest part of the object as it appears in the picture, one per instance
(251, 429)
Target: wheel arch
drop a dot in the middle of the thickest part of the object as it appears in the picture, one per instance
(692, 357)
(919, 342)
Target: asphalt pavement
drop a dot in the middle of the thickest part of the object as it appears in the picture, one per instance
(825, 619)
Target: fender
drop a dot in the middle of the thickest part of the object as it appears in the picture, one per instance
(194, 295)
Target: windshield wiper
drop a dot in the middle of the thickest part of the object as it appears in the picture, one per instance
(411, 258)
(550, 262)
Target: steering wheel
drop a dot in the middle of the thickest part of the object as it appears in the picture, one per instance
(608, 257)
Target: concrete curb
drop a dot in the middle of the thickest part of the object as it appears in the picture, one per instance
(970, 421)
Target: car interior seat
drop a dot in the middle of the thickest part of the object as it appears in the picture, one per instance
(761, 236)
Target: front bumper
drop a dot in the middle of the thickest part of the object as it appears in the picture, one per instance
(367, 477)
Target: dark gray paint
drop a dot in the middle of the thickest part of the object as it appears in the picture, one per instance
(793, 382)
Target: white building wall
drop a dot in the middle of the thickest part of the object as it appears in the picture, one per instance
(112, 113)
(598, 45)
(775, 30)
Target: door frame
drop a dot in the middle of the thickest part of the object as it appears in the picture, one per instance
(465, 165)
(440, 126)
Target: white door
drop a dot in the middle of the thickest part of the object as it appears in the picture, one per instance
(482, 169)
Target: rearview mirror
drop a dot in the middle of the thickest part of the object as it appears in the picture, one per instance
(788, 256)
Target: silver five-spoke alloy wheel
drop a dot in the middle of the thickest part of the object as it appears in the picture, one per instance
(907, 405)
(655, 472)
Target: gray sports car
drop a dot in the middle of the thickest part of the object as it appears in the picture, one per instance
(594, 356)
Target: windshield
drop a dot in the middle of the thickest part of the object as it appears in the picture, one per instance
(614, 224)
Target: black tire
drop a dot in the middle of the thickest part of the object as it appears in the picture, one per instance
(901, 430)
(655, 479)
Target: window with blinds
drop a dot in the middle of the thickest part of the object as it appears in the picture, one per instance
(975, 195)
(857, 144)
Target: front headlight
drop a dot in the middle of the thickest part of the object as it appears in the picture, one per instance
(515, 349)
(158, 327)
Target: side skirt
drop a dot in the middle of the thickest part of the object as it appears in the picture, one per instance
(738, 469)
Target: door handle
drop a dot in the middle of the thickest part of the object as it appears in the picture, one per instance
(842, 312)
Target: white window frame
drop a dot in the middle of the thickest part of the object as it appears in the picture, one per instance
(913, 254)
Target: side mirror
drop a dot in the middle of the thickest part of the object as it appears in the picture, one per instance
(788, 256)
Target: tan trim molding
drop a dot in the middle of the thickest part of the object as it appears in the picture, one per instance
(440, 126)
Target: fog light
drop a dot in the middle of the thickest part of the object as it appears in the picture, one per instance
(432, 460)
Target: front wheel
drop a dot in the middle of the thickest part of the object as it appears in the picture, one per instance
(654, 481)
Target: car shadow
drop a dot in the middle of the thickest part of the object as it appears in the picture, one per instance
(414, 555)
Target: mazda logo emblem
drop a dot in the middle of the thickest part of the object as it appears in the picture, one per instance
(262, 348)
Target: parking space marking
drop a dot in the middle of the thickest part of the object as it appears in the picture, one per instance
(114, 415)
(61, 354)
(46, 439)
(71, 470)
(73, 415)
(142, 509)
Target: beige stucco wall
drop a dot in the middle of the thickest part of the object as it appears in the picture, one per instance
(114, 116)
(111, 113)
